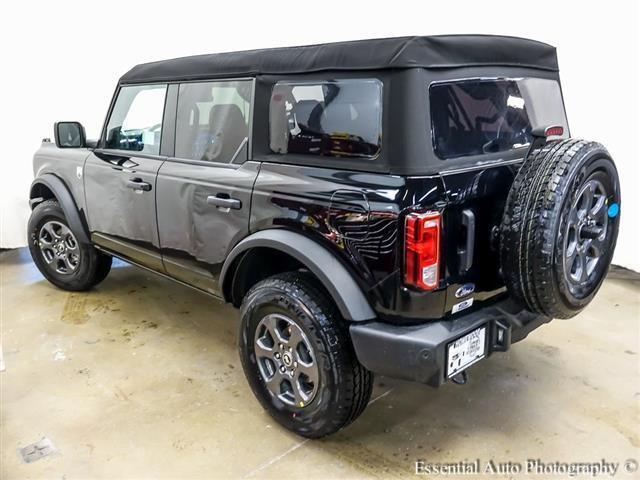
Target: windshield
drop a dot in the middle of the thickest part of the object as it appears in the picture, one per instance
(481, 116)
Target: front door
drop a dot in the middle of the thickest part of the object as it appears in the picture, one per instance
(120, 177)
(204, 191)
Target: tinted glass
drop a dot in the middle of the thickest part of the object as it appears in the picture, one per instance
(341, 118)
(136, 119)
(213, 121)
(473, 117)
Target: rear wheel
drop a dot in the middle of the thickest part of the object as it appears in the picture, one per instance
(298, 357)
(59, 256)
(560, 227)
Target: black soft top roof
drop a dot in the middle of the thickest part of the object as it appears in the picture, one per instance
(435, 52)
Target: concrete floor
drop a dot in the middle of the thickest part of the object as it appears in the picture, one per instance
(140, 378)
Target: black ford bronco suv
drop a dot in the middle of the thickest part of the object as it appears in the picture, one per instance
(402, 206)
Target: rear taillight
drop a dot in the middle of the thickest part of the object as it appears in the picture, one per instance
(555, 130)
(422, 250)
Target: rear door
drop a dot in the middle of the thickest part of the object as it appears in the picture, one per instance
(120, 177)
(204, 189)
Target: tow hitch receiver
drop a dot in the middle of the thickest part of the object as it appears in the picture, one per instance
(460, 378)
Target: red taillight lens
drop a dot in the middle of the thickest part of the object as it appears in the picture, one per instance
(554, 130)
(422, 250)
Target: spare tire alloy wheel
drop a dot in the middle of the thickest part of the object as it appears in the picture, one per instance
(560, 227)
(59, 247)
(286, 360)
(585, 237)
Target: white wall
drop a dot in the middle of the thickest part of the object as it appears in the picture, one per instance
(61, 60)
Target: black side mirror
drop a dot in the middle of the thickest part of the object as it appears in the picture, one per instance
(69, 135)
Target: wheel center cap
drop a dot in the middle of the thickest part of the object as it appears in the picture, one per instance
(60, 248)
(286, 359)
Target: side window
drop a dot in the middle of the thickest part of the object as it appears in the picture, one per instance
(136, 120)
(337, 118)
(212, 122)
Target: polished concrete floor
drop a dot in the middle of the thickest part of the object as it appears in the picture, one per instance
(140, 378)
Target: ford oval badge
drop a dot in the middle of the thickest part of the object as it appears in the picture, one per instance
(465, 290)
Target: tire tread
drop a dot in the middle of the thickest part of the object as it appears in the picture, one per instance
(529, 229)
(356, 381)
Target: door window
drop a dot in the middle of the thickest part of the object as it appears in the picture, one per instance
(212, 121)
(136, 119)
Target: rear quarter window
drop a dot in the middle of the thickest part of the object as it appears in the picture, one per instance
(338, 118)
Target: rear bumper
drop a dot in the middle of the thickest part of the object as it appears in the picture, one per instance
(418, 352)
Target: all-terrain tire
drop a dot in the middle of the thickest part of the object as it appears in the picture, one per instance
(344, 385)
(91, 266)
(546, 221)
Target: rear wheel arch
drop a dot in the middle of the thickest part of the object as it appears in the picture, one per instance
(254, 265)
(279, 251)
(51, 187)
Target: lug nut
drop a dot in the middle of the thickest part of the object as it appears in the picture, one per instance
(277, 355)
(282, 369)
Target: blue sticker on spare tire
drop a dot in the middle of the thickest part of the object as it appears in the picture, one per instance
(613, 210)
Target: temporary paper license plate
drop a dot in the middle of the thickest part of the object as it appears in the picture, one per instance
(465, 351)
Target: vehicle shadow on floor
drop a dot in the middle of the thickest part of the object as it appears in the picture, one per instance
(404, 422)
(435, 418)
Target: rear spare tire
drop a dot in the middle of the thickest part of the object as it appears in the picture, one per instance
(560, 226)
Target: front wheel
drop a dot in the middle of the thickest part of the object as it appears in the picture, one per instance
(298, 357)
(55, 250)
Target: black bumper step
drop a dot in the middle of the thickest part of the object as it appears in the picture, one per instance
(418, 352)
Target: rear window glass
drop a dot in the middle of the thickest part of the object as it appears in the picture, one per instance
(475, 117)
(341, 118)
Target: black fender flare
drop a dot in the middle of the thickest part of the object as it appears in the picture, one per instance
(66, 201)
(340, 284)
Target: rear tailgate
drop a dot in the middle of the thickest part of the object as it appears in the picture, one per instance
(481, 129)
(471, 221)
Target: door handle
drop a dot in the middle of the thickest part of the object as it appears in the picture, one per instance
(465, 254)
(218, 201)
(138, 185)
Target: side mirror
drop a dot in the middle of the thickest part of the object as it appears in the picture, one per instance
(69, 135)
